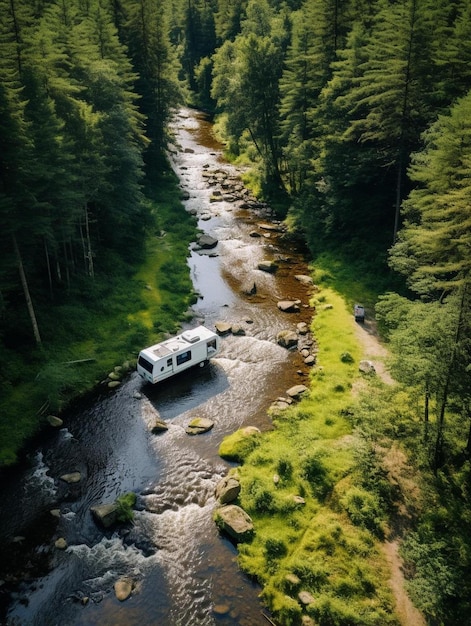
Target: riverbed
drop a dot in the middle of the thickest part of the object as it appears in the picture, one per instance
(184, 573)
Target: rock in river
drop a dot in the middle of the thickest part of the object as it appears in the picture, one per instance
(287, 338)
(289, 306)
(227, 489)
(199, 425)
(123, 589)
(235, 522)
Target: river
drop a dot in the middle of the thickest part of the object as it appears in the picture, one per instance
(184, 572)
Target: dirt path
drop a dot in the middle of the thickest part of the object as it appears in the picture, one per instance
(375, 352)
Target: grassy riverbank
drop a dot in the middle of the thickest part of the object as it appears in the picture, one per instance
(125, 307)
(327, 544)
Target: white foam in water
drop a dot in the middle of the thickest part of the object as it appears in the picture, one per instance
(39, 479)
(109, 558)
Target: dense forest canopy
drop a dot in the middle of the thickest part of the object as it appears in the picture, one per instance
(356, 115)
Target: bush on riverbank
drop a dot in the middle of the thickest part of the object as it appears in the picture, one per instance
(128, 305)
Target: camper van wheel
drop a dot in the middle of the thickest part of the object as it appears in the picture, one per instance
(204, 363)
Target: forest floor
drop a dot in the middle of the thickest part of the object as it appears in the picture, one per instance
(374, 351)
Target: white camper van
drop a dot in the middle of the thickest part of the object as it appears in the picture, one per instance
(165, 359)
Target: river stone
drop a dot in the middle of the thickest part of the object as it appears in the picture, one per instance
(292, 579)
(105, 514)
(297, 391)
(238, 330)
(54, 421)
(223, 328)
(55, 512)
(227, 489)
(234, 521)
(367, 367)
(199, 425)
(255, 234)
(159, 427)
(268, 266)
(114, 383)
(302, 328)
(287, 338)
(114, 376)
(221, 609)
(73, 477)
(305, 597)
(61, 543)
(288, 306)
(206, 241)
(249, 289)
(123, 589)
(306, 620)
(275, 228)
(304, 279)
(310, 360)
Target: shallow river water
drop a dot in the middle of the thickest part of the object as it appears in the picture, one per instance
(185, 573)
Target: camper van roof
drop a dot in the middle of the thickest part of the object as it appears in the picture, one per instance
(169, 346)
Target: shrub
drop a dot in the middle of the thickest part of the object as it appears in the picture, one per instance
(315, 472)
(363, 509)
(275, 549)
(126, 503)
(346, 357)
(284, 468)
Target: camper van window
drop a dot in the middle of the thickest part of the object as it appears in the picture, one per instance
(169, 362)
(145, 364)
(183, 358)
(211, 345)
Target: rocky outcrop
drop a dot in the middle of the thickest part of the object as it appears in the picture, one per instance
(227, 490)
(235, 522)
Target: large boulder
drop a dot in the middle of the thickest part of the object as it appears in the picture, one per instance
(106, 514)
(227, 489)
(234, 521)
(287, 338)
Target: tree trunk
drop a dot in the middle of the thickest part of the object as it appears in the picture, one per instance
(29, 302)
(91, 271)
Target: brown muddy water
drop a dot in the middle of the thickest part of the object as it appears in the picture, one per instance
(183, 571)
